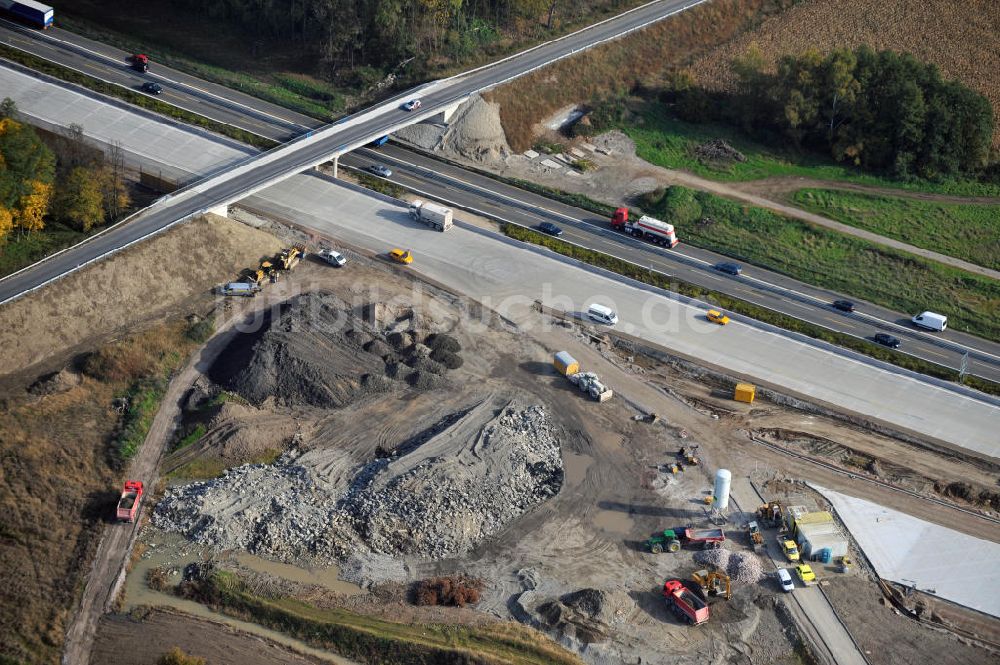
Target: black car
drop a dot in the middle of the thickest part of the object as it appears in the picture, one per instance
(885, 339)
(152, 88)
(843, 305)
(729, 268)
(550, 228)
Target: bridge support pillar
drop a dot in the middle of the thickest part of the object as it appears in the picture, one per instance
(336, 166)
(450, 111)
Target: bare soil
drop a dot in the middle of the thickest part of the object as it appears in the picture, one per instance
(153, 279)
(143, 639)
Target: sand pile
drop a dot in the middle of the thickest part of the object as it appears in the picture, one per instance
(475, 132)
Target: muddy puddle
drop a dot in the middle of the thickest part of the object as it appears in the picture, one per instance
(328, 577)
(575, 466)
(614, 521)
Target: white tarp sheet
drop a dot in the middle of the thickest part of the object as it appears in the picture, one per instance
(940, 561)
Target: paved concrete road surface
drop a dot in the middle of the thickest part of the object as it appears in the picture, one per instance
(509, 277)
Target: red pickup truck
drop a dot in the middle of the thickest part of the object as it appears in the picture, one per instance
(128, 504)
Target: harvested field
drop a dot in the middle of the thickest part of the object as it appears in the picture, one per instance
(961, 38)
(618, 66)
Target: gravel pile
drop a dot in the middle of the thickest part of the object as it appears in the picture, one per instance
(742, 567)
(464, 484)
(475, 132)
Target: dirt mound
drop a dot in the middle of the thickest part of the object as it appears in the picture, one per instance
(586, 615)
(57, 382)
(718, 151)
(475, 132)
(315, 351)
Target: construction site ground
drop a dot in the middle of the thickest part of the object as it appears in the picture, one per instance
(614, 492)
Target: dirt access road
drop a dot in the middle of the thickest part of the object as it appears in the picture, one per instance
(108, 569)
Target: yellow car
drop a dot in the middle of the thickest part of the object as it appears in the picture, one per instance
(805, 573)
(715, 316)
(790, 549)
(401, 256)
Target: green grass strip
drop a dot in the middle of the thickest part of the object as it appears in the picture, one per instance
(745, 308)
(968, 231)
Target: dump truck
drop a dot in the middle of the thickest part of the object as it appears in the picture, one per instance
(590, 383)
(128, 504)
(672, 539)
(647, 228)
(433, 215)
(755, 536)
(713, 583)
(686, 606)
(29, 11)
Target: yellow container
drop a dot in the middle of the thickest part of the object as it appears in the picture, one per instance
(818, 517)
(565, 364)
(745, 392)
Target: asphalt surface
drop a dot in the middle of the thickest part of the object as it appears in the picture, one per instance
(469, 190)
(317, 147)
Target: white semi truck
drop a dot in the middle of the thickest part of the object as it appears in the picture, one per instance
(433, 215)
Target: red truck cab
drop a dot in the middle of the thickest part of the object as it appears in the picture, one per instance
(128, 504)
(140, 62)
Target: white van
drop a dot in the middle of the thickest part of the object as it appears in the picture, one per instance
(785, 581)
(931, 321)
(602, 314)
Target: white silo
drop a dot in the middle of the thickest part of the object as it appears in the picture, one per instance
(723, 479)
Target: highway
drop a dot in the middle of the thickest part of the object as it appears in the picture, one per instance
(472, 191)
(317, 147)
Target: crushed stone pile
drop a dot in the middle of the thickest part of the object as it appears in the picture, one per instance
(459, 487)
(742, 567)
(719, 150)
(464, 484)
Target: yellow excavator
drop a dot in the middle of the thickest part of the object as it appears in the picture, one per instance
(713, 583)
(770, 514)
(289, 258)
(689, 455)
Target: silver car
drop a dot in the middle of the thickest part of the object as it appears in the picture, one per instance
(785, 581)
(333, 257)
(380, 170)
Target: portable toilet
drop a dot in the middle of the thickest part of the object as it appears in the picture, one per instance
(744, 392)
(825, 555)
(565, 364)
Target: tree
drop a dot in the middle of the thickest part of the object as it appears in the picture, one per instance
(8, 108)
(116, 195)
(80, 201)
(30, 215)
(6, 225)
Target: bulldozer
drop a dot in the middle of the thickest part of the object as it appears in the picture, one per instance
(713, 583)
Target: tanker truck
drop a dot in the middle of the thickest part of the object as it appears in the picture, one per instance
(647, 228)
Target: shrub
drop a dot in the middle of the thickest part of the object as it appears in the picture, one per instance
(200, 330)
(450, 591)
(156, 579)
(177, 657)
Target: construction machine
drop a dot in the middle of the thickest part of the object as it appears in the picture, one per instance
(713, 583)
(670, 540)
(770, 514)
(756, 537)
(590, 383)
(689, 454)
(289, 258)
(844, 564)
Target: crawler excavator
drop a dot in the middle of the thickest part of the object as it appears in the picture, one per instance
(713, 583)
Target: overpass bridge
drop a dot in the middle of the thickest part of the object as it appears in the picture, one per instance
(439, 98)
